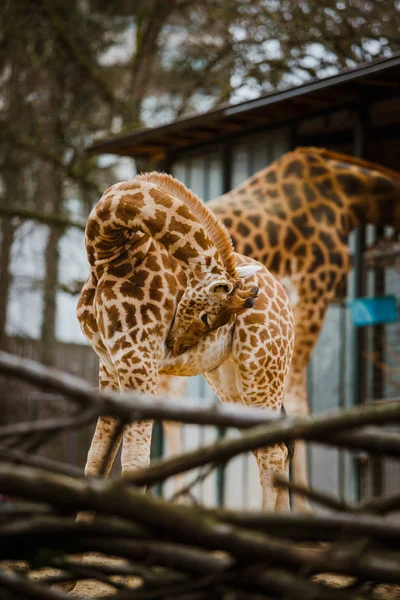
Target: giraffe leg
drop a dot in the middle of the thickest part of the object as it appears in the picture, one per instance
(283, 498)
(136, 444)
(99, 448)
(296, 403)
(271, 460)
(104, 433)
(173, 387)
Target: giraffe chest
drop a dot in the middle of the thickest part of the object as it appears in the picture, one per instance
(205, 356)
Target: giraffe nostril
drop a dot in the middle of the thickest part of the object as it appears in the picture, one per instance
(249, 303)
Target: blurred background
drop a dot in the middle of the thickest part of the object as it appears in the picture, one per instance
(82, 81)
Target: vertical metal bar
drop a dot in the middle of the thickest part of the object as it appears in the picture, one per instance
(360, 151)
(206, 179)
(342, 401)
(378, 337)
(226, 168)
(358, 335)
(158, 449)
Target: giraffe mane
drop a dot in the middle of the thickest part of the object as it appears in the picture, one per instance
(216, 231)
(352, 160)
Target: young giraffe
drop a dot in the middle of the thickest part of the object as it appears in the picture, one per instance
(166, 295)
(295, 217)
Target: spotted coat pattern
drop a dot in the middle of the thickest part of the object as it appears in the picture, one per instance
(166, 295)
(295, 217)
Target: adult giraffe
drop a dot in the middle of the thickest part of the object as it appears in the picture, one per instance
(166, 295)
(295, 217)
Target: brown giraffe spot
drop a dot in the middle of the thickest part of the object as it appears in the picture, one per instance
(309, 192)
(259, 242)
(290, 190)
(202, 239)
(157, 224)
(243, 230)
(322, 211)
(92, 230)
(290, 239)
(126, 185)
(254, 219)
(175, 225)
(325, 188)
(150, 312)
(318, 256)
(273, 231)
(270, 176)
(227, 222)
(318, 170)
(185, 252)
(106, 289)
(90, 322)
(184, 212)
(120, 344)
(171, 283)
(336, 259)
(275, 263)
(155, 291)
(248, 250)
(242, 335)
(295, 168)
(129, 207)
(312, 159)
(301, 250)
(303, 225)
(253, 318)
(169, 239)
(350, 183)
(272, 193)
(130, 314)
(134, 286)
(153, 265)
(114, 321)
(327, 240)
(120, 270)
(161, 197)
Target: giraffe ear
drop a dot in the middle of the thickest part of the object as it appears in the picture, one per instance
(247, 270)
(220, 287)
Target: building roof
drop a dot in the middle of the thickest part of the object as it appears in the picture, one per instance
(372, 81)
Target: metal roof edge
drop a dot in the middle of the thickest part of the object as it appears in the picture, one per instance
(270, 98)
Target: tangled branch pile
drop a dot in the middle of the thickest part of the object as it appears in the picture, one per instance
(168, 550)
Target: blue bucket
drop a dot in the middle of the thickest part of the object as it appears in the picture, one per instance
(371, 311)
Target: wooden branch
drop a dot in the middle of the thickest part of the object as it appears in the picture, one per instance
(321, 498)
(130, 406)
(191, 526)
(26, 588)
(322, 428)
(50, 219)
(32, 460)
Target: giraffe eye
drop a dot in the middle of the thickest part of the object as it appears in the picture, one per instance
(204, 318)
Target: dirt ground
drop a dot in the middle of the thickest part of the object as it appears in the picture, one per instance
(95, 589)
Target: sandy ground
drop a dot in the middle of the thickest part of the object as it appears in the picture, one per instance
(95, 589)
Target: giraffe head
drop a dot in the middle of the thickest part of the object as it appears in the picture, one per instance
(209, 303)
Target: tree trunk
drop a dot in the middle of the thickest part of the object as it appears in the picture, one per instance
(7, 237)
(49, 314)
